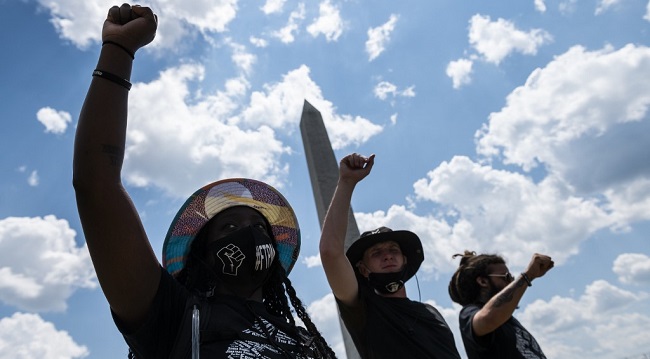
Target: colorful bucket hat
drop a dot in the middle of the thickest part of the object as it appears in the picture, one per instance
(218, 196)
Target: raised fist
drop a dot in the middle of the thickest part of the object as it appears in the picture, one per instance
(130, 26)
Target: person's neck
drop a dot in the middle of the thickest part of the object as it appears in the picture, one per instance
(483, 298)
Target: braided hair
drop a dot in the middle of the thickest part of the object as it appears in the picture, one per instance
(196, 276)
(275, 293)
(463, 288)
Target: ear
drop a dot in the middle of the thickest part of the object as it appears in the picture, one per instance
(482, 282)
(363, 270)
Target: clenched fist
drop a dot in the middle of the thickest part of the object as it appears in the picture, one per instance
(130, 26)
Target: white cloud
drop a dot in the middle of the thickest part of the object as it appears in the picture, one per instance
(567, 7)
(540, 6)
(28, 336)
(647, 12)
(495, 40)
(258, 42)
(566, 113)
(23, 286)
(604, 5)
(598, 324)
(378, 37)
(490, 210)
(633, 268)
(329, 22)
(218, 135)
(79, 21)
(204, 146)
(41, 264)
(384, 89)
(628, 202)
(312, 261)
(206, 15)
(33, 179)
(285, 34)
(347, 130)
(279, 107)
(241, 58)
(53, 120)
(459, 71)
(273, 6)
(393, 119)
(408, 92)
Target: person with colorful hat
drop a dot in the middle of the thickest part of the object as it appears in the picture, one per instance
(489, 294)
(222, 290)
(368, 281)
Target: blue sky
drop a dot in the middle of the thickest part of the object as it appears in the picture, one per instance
(511, 127)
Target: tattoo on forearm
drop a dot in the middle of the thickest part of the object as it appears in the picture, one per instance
(115, 154)
(506, 294)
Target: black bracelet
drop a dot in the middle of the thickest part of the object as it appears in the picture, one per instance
(528, 281)
(113, 78)
(120, 46)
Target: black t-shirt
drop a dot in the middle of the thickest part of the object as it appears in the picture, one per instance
(509, 341)
(397, 328)
(235, 328)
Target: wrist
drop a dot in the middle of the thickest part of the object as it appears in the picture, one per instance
(129, 52)
(115, 55)
(527, 279)
(116, 61)
(346, 181)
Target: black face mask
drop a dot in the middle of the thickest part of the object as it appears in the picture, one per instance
(387, 283)
(243, 257)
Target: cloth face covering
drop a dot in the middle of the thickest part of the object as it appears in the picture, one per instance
(387, 283)
(245, 255)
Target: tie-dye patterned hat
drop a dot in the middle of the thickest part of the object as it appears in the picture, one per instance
(218, 196)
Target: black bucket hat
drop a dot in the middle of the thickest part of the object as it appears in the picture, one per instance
(408, 242)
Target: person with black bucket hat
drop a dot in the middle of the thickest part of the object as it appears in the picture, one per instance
(368, 281)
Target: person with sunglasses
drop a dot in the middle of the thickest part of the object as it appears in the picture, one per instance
(489, 294)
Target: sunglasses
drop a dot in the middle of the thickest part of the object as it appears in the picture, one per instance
(508, 277)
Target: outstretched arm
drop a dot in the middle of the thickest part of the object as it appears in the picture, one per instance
(126, 266)
(500, 307)
(340, 274)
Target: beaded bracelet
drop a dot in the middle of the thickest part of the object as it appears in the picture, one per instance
(528, 281)
(121, 47)
(113, 78)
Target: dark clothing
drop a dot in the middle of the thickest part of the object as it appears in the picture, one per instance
(509, 341)
(231, 327)
(397, 328)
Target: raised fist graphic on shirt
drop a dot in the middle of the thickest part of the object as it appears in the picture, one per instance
(231, 257)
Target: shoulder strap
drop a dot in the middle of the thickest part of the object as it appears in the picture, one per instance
(182, 348)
